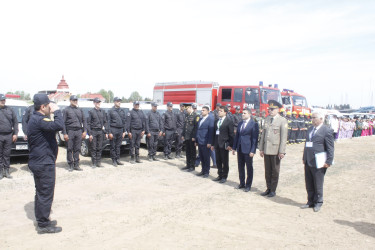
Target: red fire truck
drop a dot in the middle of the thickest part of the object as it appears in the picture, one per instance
(294, 102)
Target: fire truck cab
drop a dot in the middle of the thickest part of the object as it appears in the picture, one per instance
(294, 102)
(255, 97)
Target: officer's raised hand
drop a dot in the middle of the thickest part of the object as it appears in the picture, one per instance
(53, 107)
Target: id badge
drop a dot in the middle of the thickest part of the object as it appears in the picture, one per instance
(309, 144)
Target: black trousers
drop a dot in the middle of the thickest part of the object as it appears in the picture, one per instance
(74, 146)
(135, 142)
(243, 159)
(116, 143)
(314, 179)
(191, 153)
(272, 171)
(168, 140)
(293, 136)
(222, 162)
(179, 141)
(44, 178)
(289, 134)
(204, 155)
(5, 149)
(152, 143)
(96, 145)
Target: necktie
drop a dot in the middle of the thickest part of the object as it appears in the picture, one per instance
(218, 127)
(313, 133)
(271, 120)
(243, 126)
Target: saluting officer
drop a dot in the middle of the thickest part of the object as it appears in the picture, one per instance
(237, 118)
(272, 146)
(188, 135)
(8, 135)
(96, 128)
(154, 130)
(180, 121)
(136, 127)
(169, 126)
(75, 127)
(116, 130)
(42, 159)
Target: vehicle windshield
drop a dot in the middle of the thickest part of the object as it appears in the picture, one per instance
(252, 97)
(299, 101)
(19, 110)
(270, 94)
(286, 100)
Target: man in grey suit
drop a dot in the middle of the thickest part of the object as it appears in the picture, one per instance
(319, 138)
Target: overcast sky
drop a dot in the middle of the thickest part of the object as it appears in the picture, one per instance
(324, 49)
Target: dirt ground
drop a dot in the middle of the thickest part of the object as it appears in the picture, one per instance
(154, 205)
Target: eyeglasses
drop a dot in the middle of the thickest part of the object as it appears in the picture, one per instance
(314, 117)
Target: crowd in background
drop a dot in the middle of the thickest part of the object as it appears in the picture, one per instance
(346, 127)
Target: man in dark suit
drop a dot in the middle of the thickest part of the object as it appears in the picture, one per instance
(245, 142)
(319, 139)
(204, 140)
(223, 141)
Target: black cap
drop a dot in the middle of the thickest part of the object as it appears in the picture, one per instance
(169, 104)
(2, 97)
(154, 104)
(194, 105)
(73, 97)
(116, 99)
(274, 104)
(228, 105)
(136, 103)
(218, 104)
(40, 99)
(96, 100)
(238, 108)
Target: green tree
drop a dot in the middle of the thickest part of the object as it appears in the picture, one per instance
(135, 96)
(148, 99)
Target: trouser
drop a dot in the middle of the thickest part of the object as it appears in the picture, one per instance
(168, 140)
(293, 136)
(116, 143)
(5, 149)
(190, 153)
(135, 142)
(96, 145)
(74, 146)
(299, 136)
(152, 143)
(289, 133)
(243, 159)
(314, 179)
(204, 155)
(179, 141)
(222, 162)
(44, 178)
(212, 155)
(272, 171)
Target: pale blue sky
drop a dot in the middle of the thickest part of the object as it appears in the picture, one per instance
(322, 49)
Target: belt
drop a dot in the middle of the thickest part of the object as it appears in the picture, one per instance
(74, 129)
(116, 127)
(96, 129)
(154, 130)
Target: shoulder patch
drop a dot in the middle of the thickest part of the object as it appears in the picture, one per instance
(197, 118)
(47, 119)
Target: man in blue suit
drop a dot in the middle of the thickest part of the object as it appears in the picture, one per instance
(245, 142)
(204, 140)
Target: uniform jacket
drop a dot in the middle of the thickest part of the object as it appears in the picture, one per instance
(74, 119)
(169, 121)
(154, 122)
(205, 130)
(8, 121)
(323, 141)
(247, 138)
(26, 118)
(190, 126)
(226, 134)
(180, 120)
(116, 119)
(237, 118)
(274, 136)
(136, 120)
(97, 120)
(42, 138)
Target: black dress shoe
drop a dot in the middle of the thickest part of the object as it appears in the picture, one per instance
(200, 174)
(137, 160)
(317, 208)
(154, 158)
(271, 194)
(49, 230)
(223, 180)
(114, 163)
(191, 169)
(240, 186)
(149, 158)
(53, 223)
(166, 158)
(77, 168)
(247, 189)
(70, 167)
(170, 157)
(99, 164)
(267, 192)
(217, 178)
(119, 162)
(307, 206)
(205, 175)
(214, 166)
(7, 174)
(185, 168)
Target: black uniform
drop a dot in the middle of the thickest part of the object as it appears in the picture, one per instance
(136, 124)
(294, 128)
(289, 119)
(74, 125)
(116, 127)
(8, 128)
(42, 159)
(154, 125)
(180, 121)
(189, 132)
(237, 117)
(26, 118)
(229, 116)
(169, 125)
(301, 129)
(97, 127)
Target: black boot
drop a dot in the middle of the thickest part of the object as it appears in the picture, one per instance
(154, 158)
(1, 174)
(137, 160)
(119, 162)
(76, 167)
(132, 160)
(93, 164)
(149, 158)
(99, 164)
(71, 167)
(7, 174)
(114, 163)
